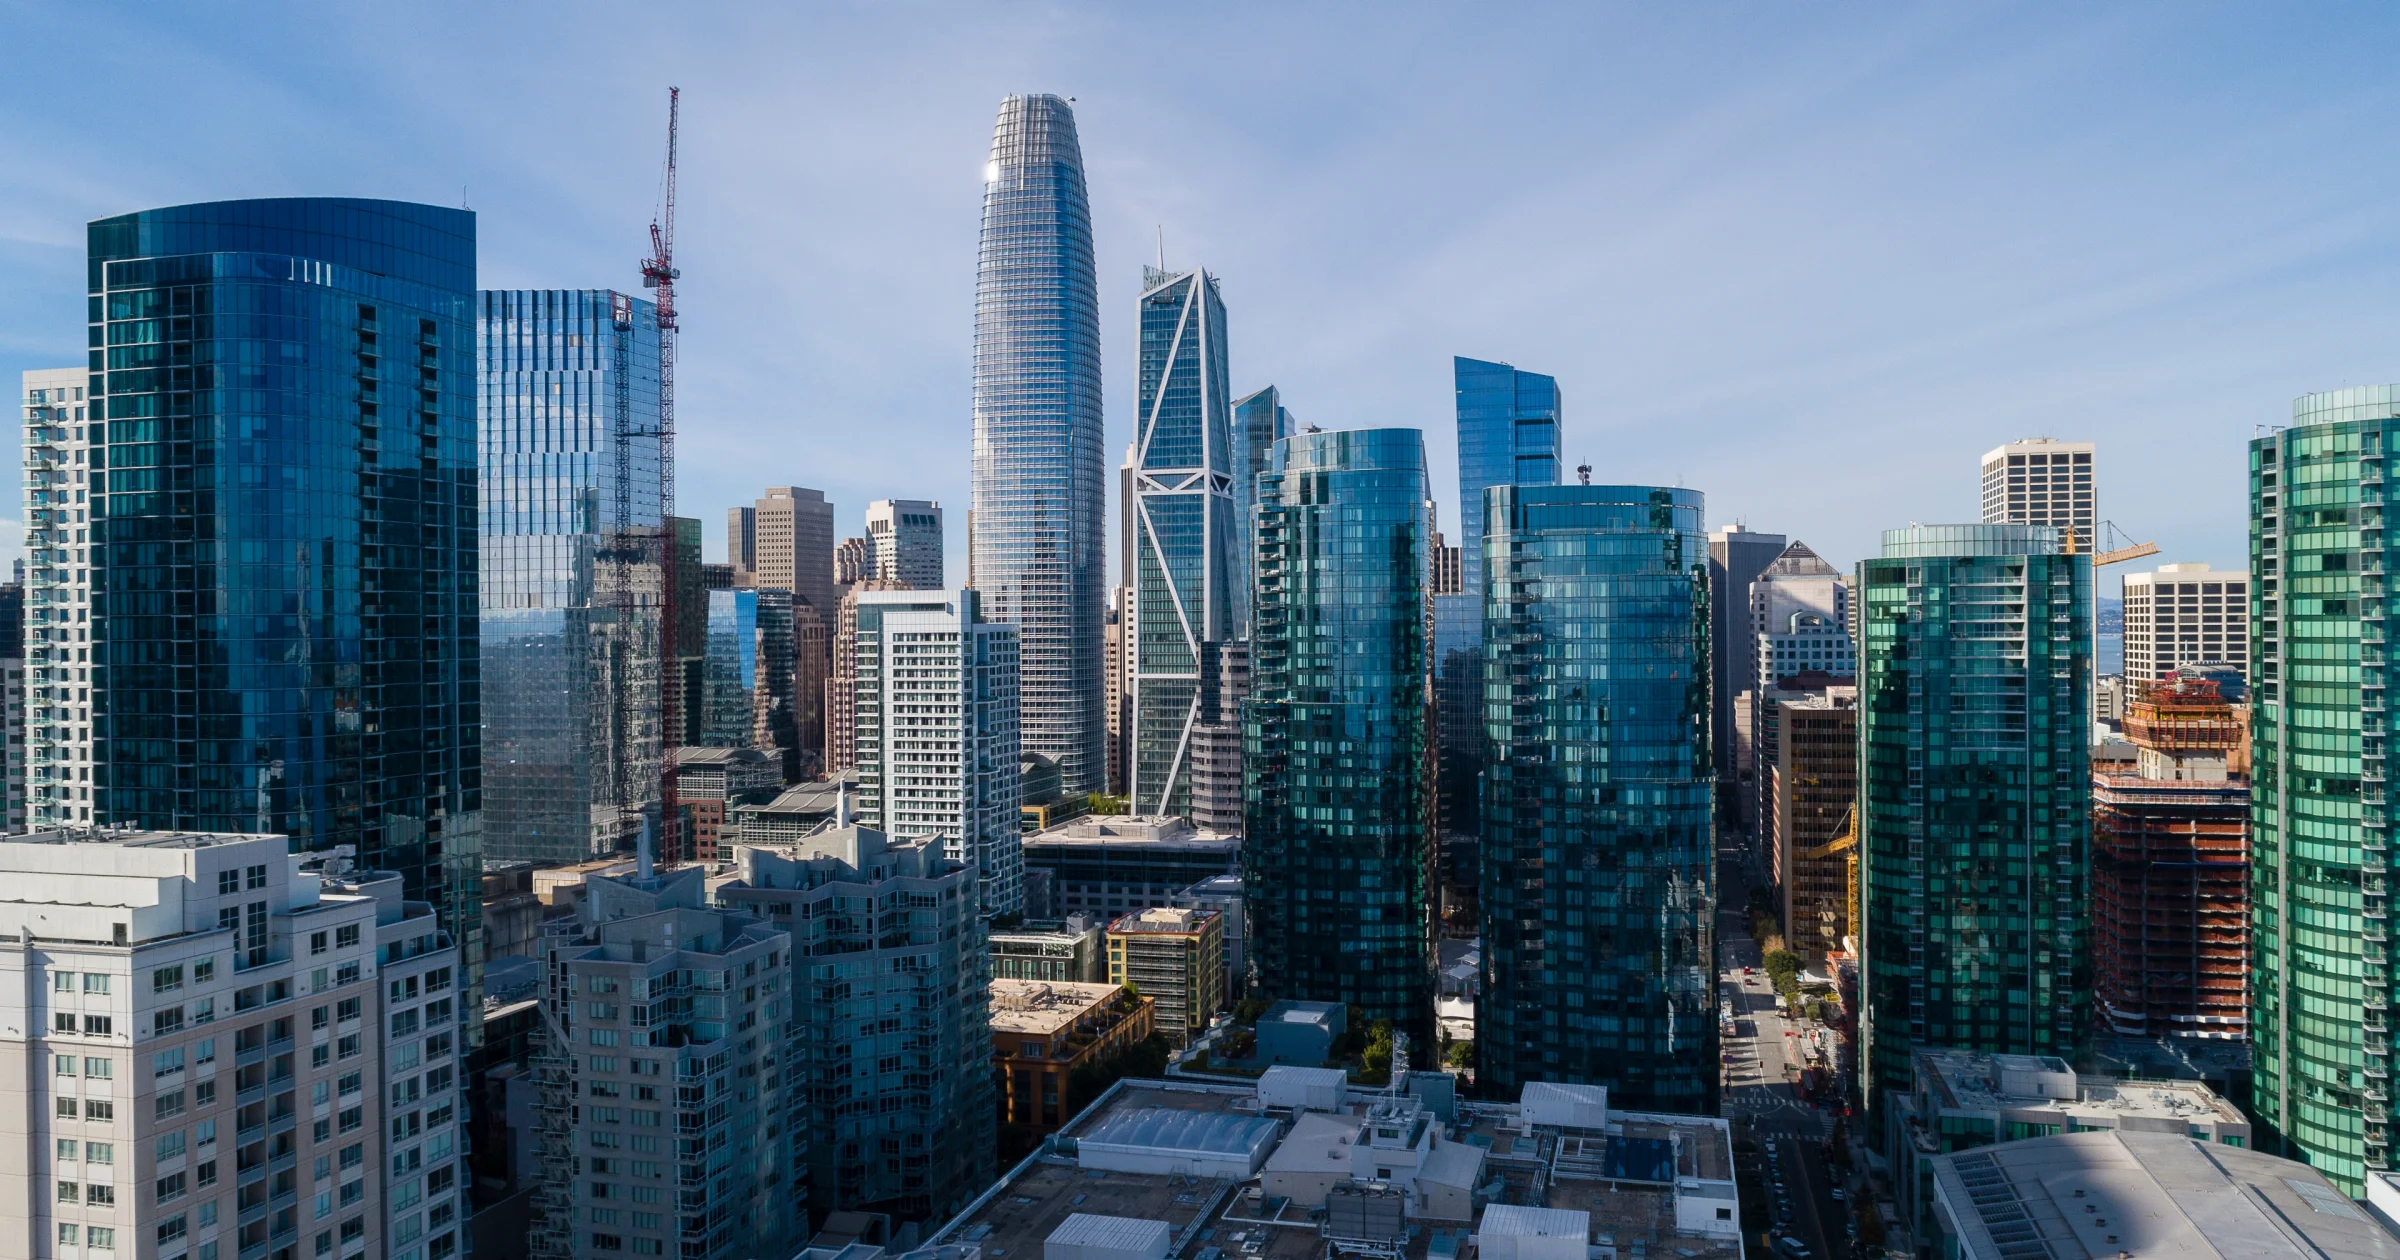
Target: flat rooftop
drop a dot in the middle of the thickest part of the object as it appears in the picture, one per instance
(1131, 829)
(1969, 1081)
(1042, 1007)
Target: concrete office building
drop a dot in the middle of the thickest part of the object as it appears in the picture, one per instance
(892, 1043)
(1974, 796)
(1800, 623)
(792, 547)
(1071, 950)
(906, 536)
(1736, 557)
(2320, 823)
(1107, 866)
(2040, 481)
(198, 1027)
(2184, 614)
(671, 1111)
(1037, 527)
(1811, 791)
(1216, 753)
(1176, 958)
(841, 680)
(937, 731)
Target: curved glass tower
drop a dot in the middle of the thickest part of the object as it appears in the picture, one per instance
(1038, 534)
(1337, 845)
(2321, 866)
(1598, 863)
(282, 625)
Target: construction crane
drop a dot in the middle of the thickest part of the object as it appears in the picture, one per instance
(2118, 555)
(659, 274)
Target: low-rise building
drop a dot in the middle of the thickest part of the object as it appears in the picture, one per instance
(1109, 865)
(2133, 1195)
(1223, 894)
(1057, 950)
(792, 814)
(1176, 957)
(712, 782)
(1963, 1100)
(1301, 1034)
(1286, 1170)
(1044, 1032)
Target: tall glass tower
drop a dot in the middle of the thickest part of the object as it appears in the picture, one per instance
(1508, 435)
(1190, 591)
(1598, 887)
(2321, 862)
(283, 572)
(573, 579)
(1037, 538)
(1260, 420)
(1336, 846)
(1974, 795)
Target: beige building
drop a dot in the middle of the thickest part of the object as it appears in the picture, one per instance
(791, 544)
(1175, 957)
(1043, 1031)
(2184, 614)
(2040, 481)
(184, 1009)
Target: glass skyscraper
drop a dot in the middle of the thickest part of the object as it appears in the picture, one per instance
(1336, 845)
(1598, 863)
(1260, 420)
(573, 580)
(1037, 537)
(2321, 865)
(282, 623)
(1508, 435)
(1190, 583)
(1974, 796)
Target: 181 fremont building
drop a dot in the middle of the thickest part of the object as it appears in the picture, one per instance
(1038, 534)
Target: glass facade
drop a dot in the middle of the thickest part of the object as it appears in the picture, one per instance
(1191, 587)
(1336, 847)
(1974, 694)
(1508, 435)
(2321, 834)
(1597, 860)
(729, 677)
(283, 617)
(572, 581)
(1037, 536)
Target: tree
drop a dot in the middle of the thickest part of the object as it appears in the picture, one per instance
(1462, 1054)
(1375, 1062)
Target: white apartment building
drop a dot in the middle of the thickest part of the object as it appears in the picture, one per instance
(154, 992)
(424, 1071)
(1800, 611)
(907, 537)
(58, 607)
(936, 723)
(2185, 614)
(2042, 482)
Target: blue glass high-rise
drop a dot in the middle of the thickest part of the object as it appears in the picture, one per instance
(284, 578)
(1508, 435)
(1190, 582)
(1336, 845)
(572, 583)
(1260, 420)
(1037, 538)
(1598, 867)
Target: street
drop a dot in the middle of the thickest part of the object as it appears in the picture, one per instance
(1761, 1087)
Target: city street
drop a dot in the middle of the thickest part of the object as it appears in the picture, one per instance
(1761, 1086)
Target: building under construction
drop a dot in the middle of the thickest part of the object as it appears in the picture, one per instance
(2171, 867)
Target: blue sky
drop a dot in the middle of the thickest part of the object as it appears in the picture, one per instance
(1811, 259)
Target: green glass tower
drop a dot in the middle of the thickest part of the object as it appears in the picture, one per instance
(1336, 846)
(1598, 867)
(2320, 830)
(1974, 791)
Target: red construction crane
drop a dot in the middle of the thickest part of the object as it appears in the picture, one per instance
(658, 272)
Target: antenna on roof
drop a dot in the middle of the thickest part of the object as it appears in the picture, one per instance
(1162, 247)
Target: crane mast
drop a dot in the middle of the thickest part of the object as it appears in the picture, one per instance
(659, 274)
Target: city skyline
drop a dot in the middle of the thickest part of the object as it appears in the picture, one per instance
(2269, 290)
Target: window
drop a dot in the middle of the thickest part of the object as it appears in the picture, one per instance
(353, 1155)
(100, 1069)
(65, 1064)
(205, 1175)
(166, 1021)
(66, 1109)
(346, 1010)
(356, 1226)
(166, 979)
(99, 1153)
(345, 937)
(320, 1016)
(204, 1093)
(69, 1150)
(257, 876)
(204, 1011)
(351, 1084)
(63, 981)
(353, 1191)
(171, 1187)
(348, 1047)
(204, 1133)
(170, 1229)
(318, 943)
(404, 1024)
(99, 1195)
(62, 1022)
(70, 1192)
(204, 971)
(99, 1109)
(100, 1237)
(167, 1062)
(96, 1026)
(68, 1235)
(169, 1145)
(353, 1119)
(228, 883)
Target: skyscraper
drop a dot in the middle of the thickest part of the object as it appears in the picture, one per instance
(794, 543)
(54, 764)
(292, 390)
(1037, 532)
(907, 537)
(1598, 889)
(1508, 435)
(1799, 625)
(2184, 614)
(1189, 590)
(572, 585)
(1735, 559)
(741, 544)
(1260, 420)
(1336, 845)
(937, 731)
(2040, 481)
(1974, 796)
(2321, 977)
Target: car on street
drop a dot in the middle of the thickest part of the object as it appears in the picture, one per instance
(1793, 1247)
(1837, 1194)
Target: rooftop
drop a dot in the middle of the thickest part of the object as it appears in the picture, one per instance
(1042, 1007)
(2124, 1196)
(1968, 1081)
(1130, 828)
(1163, 919)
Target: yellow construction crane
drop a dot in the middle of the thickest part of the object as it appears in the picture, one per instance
(2132, 551)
